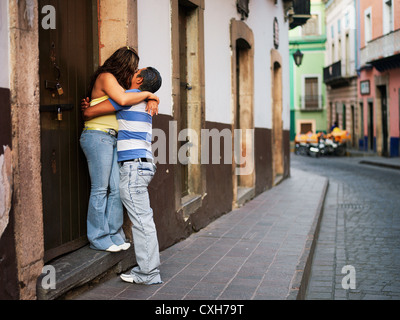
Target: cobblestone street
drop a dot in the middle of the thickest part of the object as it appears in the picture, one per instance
(360, 228)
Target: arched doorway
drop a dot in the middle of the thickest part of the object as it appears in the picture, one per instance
(277, 124)
(243, 176)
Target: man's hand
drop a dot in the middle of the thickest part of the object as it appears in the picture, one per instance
(85, 103)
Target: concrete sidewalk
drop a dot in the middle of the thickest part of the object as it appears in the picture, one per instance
(262, 250)
(370, 158)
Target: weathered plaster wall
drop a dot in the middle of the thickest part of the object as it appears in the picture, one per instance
(116, 25)
(24, 90)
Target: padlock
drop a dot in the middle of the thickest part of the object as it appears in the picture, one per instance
(59, 89)
(59, 114)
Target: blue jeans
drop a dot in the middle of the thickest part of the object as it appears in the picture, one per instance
(105, 211)
(134, 180)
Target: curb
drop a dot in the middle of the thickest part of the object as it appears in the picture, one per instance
(380, 164)
(301, 277)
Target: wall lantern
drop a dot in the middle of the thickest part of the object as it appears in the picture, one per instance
(298, 57)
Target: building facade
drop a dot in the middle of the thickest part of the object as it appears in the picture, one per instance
(223, 65)
(7, 244)
(340, 72)
(308, 101)
(379, 80)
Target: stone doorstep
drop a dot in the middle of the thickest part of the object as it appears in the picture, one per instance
(244, 195)
(81, 267)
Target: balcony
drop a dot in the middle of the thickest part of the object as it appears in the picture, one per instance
(333, 75)
(311, 102)
(382, 52)
(299, 13)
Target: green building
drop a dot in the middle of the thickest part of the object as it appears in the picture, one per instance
(307, 88)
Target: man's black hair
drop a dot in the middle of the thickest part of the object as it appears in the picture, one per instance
(151, 80)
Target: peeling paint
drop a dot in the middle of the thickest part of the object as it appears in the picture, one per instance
(29, 13)
(5, 188)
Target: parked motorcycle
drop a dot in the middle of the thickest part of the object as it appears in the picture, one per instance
(309, 144)
(320, 144)
(338, 140)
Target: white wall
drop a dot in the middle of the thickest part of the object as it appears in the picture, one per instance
(261, 17)
(154, 28)
(334, 12)
(217, 55)
(154, 42)
(4, 45)
(218, 59)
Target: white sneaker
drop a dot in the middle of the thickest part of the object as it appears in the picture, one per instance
(127, 277)
(125, 246)
(114, 248)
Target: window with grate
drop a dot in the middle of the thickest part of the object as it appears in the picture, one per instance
(311, 98)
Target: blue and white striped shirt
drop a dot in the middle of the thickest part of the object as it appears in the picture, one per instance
(135, 131)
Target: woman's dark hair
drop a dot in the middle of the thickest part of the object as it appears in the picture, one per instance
(122, 65)
(151, 80)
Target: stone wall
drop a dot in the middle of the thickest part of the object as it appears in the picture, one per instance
(24, 90)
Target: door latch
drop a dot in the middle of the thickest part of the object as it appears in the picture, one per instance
(57, 108)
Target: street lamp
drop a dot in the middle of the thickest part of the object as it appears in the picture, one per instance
(298, 57)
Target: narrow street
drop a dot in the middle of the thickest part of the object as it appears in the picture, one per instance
(357, 255)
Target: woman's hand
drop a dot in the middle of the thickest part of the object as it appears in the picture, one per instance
(152, 106)
(154, 97)
(85, 103)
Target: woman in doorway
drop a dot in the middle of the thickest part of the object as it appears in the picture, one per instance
(99, 144)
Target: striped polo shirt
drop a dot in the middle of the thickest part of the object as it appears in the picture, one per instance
(135, 131)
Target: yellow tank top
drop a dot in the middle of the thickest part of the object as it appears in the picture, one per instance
(108, 121)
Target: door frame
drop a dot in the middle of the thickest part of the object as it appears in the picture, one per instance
(278, 169)
(382, 81)
(382, 95)
(196, 174)
(371, 125)
(242, 36)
